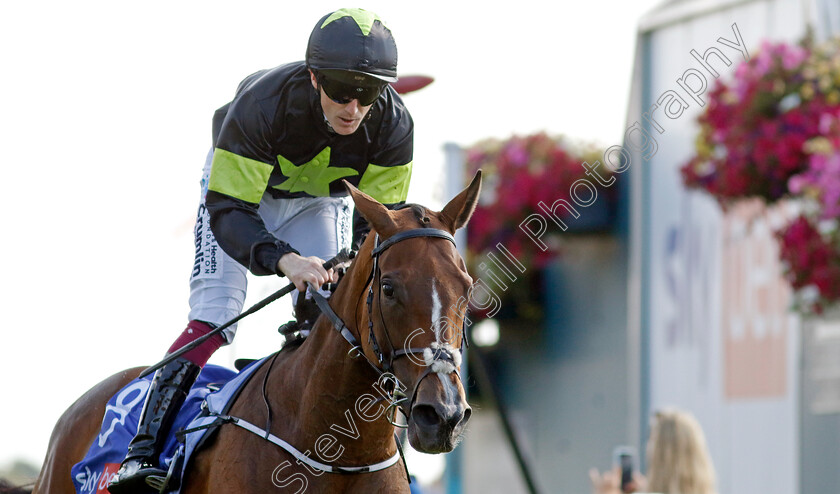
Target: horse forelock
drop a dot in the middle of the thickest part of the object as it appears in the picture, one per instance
(421, 215)
(414, 212)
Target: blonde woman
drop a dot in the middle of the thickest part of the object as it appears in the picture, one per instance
(678, 460)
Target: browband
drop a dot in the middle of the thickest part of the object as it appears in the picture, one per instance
(417, 232)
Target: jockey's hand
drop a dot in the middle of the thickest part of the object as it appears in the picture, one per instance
(300, 269)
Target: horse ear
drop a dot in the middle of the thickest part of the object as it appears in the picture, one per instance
(377, 215)
(457, 213)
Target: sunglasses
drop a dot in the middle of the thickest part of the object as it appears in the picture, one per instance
(343, 93)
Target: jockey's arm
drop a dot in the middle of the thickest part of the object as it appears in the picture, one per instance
(241, 233)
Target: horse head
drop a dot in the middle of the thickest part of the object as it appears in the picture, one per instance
(417, 297)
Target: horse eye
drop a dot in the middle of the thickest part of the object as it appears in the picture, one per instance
(388, 290)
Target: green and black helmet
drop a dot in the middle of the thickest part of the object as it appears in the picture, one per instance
(354, 42)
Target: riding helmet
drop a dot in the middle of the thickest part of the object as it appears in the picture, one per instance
(354, 41)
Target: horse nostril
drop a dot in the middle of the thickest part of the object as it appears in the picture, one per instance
(425, 416)
(458, 418)
(466, 417)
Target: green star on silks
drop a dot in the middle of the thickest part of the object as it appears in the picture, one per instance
(313, 177)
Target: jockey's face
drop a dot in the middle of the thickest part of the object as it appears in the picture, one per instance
(343, 118)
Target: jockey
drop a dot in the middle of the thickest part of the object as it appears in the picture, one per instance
(272, 197)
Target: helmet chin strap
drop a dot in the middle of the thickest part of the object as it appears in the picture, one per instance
(329, 125)
(326, 120)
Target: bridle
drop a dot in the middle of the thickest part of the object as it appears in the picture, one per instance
(436, 356)
(382, 365)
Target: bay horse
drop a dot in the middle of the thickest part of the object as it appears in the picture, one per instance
(399, 306)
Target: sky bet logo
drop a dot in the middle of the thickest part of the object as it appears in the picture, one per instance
(97, 483)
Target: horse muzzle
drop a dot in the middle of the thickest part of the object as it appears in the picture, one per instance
(439, 415)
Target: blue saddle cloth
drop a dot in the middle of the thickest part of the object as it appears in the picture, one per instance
(214, 390)
(217, 384)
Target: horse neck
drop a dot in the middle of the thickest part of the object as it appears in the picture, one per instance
(332, 385)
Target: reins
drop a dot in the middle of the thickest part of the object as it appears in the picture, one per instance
(382, 366)
(343, 256)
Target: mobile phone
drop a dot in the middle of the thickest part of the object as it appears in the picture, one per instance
(623, 457)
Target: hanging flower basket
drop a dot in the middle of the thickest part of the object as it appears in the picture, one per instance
(522, 177)
(773, 132)
(761, 128)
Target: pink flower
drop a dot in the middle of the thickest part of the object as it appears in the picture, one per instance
(812, 259)
(530, 170)
(516, 154)
(793, 56)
